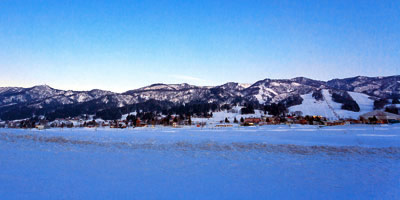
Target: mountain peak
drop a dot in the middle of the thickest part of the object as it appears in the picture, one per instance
(162, 86)
(45, 98)
(42, 87)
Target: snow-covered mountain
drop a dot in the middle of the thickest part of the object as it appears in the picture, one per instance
(355, 94)
(383, 87)
(269, 90)
(41, 95)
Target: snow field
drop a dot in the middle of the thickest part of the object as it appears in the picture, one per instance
(268, 162)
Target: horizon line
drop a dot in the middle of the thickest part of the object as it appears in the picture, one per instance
(195, 85)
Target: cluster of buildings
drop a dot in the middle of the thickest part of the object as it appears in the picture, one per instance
(374, 117)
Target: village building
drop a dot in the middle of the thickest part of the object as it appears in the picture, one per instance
(379, 116)
(252, 120)
(223, 125)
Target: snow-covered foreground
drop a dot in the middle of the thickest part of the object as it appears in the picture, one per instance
(270, 162)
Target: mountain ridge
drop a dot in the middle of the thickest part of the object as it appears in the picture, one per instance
(43, 99)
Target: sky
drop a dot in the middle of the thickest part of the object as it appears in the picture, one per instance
(122, 45)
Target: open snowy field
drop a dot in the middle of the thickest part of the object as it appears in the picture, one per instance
(269, 162)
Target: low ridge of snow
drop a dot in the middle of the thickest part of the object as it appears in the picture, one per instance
(244, 85)
(167, 86)
(296, 84)
(275, 84)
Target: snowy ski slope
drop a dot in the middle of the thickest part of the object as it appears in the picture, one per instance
(328, 107)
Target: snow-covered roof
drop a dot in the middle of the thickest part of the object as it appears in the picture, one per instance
(380, 115)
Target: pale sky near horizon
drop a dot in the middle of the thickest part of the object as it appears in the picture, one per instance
(123, 45)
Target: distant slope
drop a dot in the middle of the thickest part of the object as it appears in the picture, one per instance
(328, 108)
(382, 87)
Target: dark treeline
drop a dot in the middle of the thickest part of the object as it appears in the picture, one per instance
(381, 103)
(346, 100)
(111, 112)
(154, 107)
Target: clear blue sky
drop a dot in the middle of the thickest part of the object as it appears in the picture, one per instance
(122, 45)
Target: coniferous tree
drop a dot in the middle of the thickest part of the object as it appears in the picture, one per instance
(380, 104)
(226, 120)
(373, 119)
(392, 109)
(190, 120)
(248, 109)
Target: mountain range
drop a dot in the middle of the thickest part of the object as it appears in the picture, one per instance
(20, 103)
